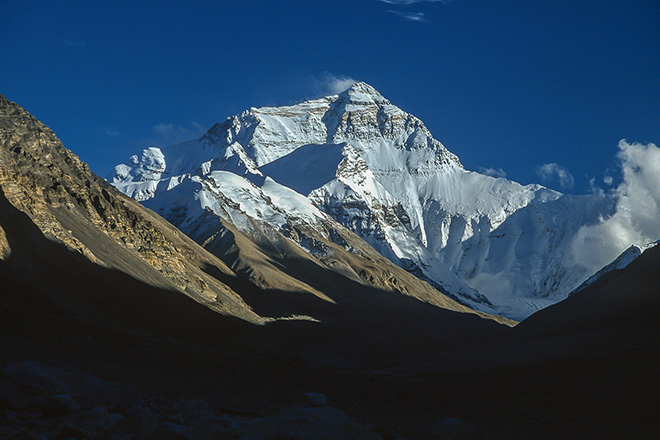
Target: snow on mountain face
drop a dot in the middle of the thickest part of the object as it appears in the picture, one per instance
(141, 178)
(492, 243)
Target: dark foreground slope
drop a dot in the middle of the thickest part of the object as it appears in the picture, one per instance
(124, 322)
(621, 299)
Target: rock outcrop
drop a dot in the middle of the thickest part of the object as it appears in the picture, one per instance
(72, 206)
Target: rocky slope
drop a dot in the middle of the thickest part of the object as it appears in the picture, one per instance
(46, 191)
(491, 243)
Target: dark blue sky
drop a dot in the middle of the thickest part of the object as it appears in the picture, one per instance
(508, 85)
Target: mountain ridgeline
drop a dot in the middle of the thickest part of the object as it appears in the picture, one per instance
(358, 160)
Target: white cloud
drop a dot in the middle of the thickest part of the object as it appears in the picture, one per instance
(552, 171)
(410, 16)
(593, 188)
(637, 216)
(499, 172)
(169, 134)
(608, 180)
(329, 84)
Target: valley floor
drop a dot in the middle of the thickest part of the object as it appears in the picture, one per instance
(191, 386)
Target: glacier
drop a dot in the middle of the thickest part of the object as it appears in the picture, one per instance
(357, 159)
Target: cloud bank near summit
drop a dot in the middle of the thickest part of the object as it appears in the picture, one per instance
(637, 217)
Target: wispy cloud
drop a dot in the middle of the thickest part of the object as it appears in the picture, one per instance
(499, 172)
(607, 179)
(414, 16)
(75, 43)
(554, 172)
(410, 16)
(330, 84)
(112, 132)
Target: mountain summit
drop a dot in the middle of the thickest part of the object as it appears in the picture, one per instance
(490, 243)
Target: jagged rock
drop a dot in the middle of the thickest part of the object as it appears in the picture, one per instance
(320, 423)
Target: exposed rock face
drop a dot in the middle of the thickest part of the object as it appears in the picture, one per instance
(5, 250)
(71, 205)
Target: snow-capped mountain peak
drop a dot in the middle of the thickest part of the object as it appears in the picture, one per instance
(361, 92)
(492, 243)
